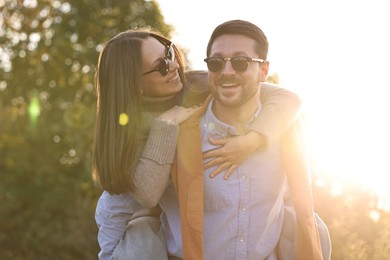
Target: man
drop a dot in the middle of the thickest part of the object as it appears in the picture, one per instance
(243, 217)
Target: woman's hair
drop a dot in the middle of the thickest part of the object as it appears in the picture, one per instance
(118, 82)
(242, 28)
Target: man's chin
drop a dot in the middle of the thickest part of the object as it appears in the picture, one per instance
(229, 102)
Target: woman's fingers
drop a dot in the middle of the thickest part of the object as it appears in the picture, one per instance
(221, 141)
(220, 168)
(231, 170)
(217, 152)
(231, 152)
(186, 114)
(214, 162)
(178, 114)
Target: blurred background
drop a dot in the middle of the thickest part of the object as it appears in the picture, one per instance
(328, 53)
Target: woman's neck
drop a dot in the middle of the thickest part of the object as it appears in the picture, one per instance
(158, 104)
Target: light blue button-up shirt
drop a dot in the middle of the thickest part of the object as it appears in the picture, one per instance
(243, 215)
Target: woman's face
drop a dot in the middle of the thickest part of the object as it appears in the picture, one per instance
(154, 55)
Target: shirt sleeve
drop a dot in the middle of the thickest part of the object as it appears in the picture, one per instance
(152, 173)
(112, 214)
(280, 109)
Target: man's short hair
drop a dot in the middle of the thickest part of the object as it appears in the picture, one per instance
(242, 28)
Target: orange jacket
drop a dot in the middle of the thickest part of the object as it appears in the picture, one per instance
(187, 176)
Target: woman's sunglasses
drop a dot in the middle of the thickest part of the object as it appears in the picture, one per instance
(163, 65)
(239, 64)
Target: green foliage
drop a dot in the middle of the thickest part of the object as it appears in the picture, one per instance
(273, 78)
(48, 53)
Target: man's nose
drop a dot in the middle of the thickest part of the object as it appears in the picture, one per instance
(227, 68)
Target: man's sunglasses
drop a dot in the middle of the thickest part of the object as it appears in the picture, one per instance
(163, 64)
(239, 64)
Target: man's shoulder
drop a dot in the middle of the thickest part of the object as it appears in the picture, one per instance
(269, 84)
(196, 81)
(196, 88)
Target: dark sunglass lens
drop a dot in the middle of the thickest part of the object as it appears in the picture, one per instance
(214, 64)
(239, 64)
(170, 53)
(163, 67)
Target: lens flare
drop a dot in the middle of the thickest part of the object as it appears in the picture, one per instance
(34, 110)
(123, 119)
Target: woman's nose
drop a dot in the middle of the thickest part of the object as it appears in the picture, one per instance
(173, 65)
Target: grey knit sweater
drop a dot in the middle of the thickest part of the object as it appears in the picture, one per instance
(157, 150)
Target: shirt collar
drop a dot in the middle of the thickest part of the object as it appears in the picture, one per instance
(220, 128)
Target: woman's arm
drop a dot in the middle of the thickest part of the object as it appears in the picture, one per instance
(280, 108)
(150, 179)
(151, 175)
(154, 166)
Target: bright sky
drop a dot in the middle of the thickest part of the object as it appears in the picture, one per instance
(335, 54)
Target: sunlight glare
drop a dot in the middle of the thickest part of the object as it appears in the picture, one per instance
(334, 55)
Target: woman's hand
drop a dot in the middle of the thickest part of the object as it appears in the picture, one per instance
(232, 152)
(178, 114)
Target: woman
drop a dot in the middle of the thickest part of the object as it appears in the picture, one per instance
(140, 81)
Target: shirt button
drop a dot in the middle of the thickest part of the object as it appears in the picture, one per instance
(242, 240)
(243, 209)
(243, 177)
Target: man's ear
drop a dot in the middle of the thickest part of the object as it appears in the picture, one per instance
(264, 71)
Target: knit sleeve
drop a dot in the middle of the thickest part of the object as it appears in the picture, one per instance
(279, 110)
(153, 169)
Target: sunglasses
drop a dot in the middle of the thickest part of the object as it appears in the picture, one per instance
(239, 64)
(163, 64)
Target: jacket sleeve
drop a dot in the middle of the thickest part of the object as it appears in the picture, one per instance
(297, 169)
(279, 110)
(152, 173)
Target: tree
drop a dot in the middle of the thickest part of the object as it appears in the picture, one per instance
(48, 52)
(273, 78)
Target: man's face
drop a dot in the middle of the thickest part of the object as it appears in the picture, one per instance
(233, 88)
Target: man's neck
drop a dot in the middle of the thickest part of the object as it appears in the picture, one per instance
(236, 116)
